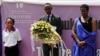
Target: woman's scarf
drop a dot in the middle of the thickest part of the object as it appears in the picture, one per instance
(88, 37)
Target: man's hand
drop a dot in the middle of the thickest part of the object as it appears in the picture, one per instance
(51, 45)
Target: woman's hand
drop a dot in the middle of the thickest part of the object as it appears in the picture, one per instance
(81, 44)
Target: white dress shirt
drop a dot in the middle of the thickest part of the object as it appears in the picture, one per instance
(11, 38)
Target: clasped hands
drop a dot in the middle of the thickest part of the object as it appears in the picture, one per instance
(81, 44)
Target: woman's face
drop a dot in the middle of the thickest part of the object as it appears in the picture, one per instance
(9, 23)
(84, 12)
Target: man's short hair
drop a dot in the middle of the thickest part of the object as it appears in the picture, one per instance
(48, 4)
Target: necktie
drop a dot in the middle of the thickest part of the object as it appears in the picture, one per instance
(48, 19)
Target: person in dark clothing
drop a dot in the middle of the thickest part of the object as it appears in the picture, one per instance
(55, 21)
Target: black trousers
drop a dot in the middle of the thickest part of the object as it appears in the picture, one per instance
(47, 49)
(11, 51)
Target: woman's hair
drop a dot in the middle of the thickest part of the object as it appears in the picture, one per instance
(85, 6)
(11, 20)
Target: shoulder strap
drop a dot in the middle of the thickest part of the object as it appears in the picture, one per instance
(90, 19)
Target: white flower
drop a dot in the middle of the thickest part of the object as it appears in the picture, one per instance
(44, 31)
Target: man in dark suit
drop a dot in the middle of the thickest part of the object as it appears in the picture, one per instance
(54, 20)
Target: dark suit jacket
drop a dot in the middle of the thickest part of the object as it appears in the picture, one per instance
(55, 21)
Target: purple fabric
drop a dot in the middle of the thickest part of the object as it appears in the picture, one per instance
(35, 11)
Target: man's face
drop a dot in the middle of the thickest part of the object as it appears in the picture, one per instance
(48, 9)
